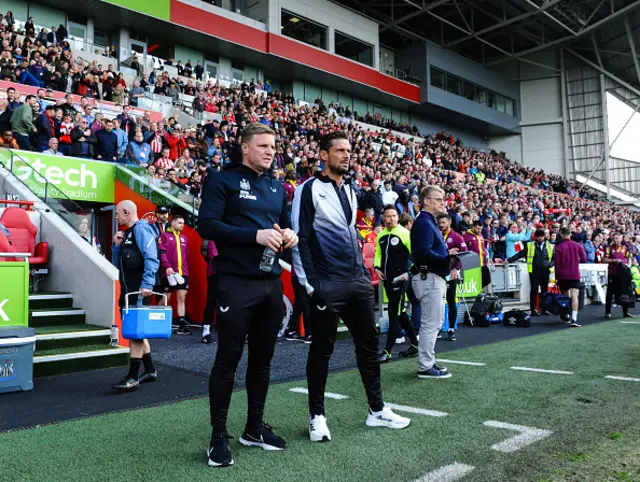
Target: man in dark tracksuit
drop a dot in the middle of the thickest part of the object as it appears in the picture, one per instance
(244, 211)
(392, 260)
(329, 264)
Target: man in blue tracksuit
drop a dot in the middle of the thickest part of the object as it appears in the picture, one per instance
(244, 211)
(329, 264)
(135, 254)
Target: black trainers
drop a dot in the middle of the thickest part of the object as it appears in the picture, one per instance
(207, 339)
(148, 377)
(451, 335)
(293, 336)
(384, 357)
(307, 339)
(264, 438)
(607, 316)
(441, 368)
(439, 337)
(219, 453)
(127, 384)
(629, 315)
(183, 329)
(411, 351)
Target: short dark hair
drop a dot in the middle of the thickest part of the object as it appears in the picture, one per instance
(539, 233)
(175, 217)
(326, 140)
(477, 222)
(29, 97)
(444, 216)
(565, 231)
(389, 206)
(404, 219)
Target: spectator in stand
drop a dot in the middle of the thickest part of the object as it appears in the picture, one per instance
(5, 116)
(22, 122)
(45, 129)
(53, 148)
(198, 70)
(7, 140)
(176, 142)
(174, 267)
(123, 140)
(199, 103)
(136, 93)
(107, 143)
(83, 141)
(13, 101)
(515, 239)
(164, 161)
(64, 135)
(138, 151)
(127, 122)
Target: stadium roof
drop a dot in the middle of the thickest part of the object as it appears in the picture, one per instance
(607, 32)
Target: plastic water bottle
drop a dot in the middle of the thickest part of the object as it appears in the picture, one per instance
(115, 333)
(268, 259)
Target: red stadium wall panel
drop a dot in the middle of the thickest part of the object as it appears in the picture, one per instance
(268, 43)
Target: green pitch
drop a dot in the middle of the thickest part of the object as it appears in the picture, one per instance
(589, 426)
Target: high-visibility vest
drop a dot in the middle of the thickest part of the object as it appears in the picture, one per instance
(531, 251)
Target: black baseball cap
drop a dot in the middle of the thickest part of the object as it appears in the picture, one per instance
(163, 210)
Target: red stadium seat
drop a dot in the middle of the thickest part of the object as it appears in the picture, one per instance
(5, 247)
(369, 254)
(22, 234)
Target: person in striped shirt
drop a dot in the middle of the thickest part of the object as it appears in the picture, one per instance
(165, 161)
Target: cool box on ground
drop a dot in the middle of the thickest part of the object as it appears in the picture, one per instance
(17, 344)
(140, 322)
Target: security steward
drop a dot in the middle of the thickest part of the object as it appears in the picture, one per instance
(135, 254)
(391, 264)
(539, 266)
(455, 244)
(432, 267)
(244, 211)
(615, 255)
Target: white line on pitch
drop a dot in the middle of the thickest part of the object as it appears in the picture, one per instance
(540, 370)
(527, 436)
(335, 396)
(419, 411)
(458, 362)
(624, 379)
(448, 473)
(630, 322)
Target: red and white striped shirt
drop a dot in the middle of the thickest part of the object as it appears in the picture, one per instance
(165, 163)
(156, 144)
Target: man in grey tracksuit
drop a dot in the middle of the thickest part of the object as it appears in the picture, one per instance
(329, 264)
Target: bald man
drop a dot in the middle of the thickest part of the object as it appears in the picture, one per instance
(135, 254)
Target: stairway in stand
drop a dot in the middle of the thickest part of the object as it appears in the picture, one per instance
(64, 341)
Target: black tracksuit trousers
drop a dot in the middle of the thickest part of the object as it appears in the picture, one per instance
(351, 301)
(245, 307)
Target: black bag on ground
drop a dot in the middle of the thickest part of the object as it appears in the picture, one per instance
(517, 318)
(478, 321)
(486, 304)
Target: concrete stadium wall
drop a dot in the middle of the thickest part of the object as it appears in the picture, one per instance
(542, 142)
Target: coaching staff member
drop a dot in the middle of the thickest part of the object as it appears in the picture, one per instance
(455, 244)
(135, 255)
(245, 212)
(432, 261)
(329, 264)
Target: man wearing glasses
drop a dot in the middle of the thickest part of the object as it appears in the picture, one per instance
(432, 263)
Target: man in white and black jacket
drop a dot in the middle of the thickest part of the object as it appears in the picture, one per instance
(329, 264)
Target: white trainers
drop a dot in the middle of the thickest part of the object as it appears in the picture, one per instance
(179, 279)
(386, 418)
(172, 280)
(318, 430)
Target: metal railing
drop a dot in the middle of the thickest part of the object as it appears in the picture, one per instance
(159, 191)
(48, 193)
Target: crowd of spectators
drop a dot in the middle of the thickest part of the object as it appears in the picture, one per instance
(387, 168)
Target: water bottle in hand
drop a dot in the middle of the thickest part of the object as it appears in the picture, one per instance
(268, 259)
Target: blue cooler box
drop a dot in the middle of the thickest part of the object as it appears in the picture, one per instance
(17, 344)
(140, 322)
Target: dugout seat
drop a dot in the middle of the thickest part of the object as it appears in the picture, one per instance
(368, 255)
(22, 234)
(5, 247)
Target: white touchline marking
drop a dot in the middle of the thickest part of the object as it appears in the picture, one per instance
(527, 436)
(624, 379)
(540, 370)
(419, 411)
(458, 362)
(335, 396)
(448, 473)
(630, 322)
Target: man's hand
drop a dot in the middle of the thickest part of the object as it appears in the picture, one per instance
(145, 292)
(289, 237)
(118, 238)
(269, 238)
(170, 271)
(379, 274)
(455, 274)
(454, 251)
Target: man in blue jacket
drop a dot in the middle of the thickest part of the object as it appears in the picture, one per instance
(107, 143)
(244, 211)
(135, 254)
(433, 263)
